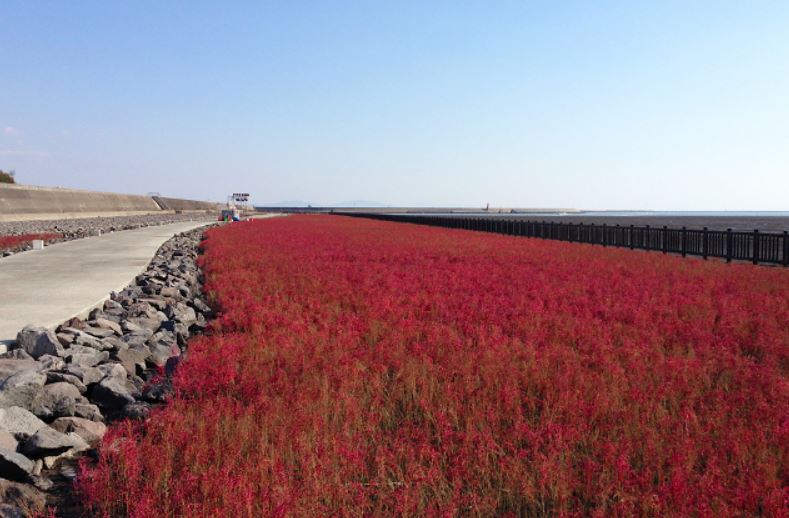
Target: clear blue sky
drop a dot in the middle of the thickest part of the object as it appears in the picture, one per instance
(598, 105)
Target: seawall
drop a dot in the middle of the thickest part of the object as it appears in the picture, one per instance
(180, 205)
(27, 202)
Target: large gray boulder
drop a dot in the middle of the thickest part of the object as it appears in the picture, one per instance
(8, 441)
(20, 422)
(65, 338)
(15, 354)
(90, 412)
(112, 393)
(156, 302)
(38, 341)
(112, 369)
(180, 312)
(99, 332)
(86, 356)
(14, 466)
(57, 400)
(86, 340)
(90, 431)
(48, 442)
(170, 292)
(141, 325)
(163, 345)
(133, 359)
(47, 362)
(141, 310)
(11, 366)
(136, 341)
(88, 375)
(114, 343)
(201, 306)
(20, 387)
(56, 377)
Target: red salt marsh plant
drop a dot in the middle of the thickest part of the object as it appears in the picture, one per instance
(365, 368)
(9, 242)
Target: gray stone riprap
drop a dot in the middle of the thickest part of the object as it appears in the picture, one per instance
(59, 387)
(86, 227)
(19, 499)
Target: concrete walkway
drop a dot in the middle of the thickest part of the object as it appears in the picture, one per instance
(46, 287)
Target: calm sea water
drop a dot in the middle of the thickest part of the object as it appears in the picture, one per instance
(623, 213)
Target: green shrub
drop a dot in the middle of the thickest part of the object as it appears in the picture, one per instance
(7, 176)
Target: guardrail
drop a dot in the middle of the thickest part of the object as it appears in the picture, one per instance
(756, 247)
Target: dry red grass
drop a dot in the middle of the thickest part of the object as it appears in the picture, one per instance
(12, 242)
(363, 368)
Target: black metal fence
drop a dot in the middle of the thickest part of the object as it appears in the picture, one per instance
(757, 247)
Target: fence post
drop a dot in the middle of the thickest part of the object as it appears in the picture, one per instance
(684, 241)
(665, 239)
(605, 231)
(729, 242)
(705, 243)
(786, 248)
(632, 245)
(570, 233)
(756, 247)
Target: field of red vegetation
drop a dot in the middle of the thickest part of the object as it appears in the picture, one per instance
(364, 368)
(10, 242)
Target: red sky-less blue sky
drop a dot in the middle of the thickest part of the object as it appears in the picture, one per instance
(598, 105)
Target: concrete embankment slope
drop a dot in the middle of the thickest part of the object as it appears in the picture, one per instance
(27, 202)
(30, 202)
(179, 205)
(47, 287)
